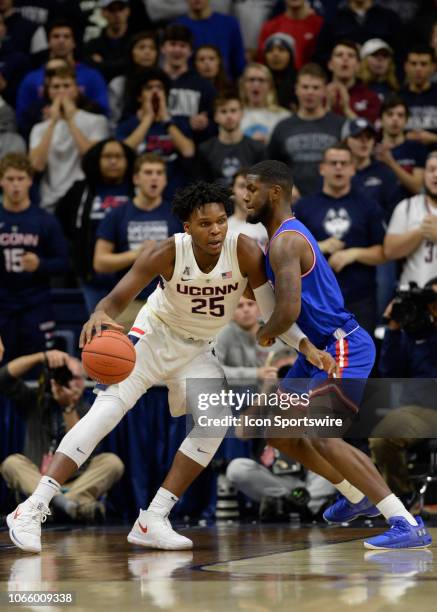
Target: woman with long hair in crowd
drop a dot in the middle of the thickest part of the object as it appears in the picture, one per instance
(108, 169)
(142, 54)
(261, 111)
(209, 64)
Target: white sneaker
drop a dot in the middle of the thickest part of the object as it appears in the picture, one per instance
(25, 525)
(155, 531)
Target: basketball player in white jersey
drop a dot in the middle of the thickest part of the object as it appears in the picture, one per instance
(203, 273)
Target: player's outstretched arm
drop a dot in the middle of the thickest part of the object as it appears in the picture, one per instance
(149, 265)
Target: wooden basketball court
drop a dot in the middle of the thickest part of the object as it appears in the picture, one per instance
(232, 567)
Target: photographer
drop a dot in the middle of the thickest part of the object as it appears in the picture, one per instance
(409, 350)
(49, 412)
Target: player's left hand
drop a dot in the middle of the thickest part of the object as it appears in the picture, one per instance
(2, 349)
(321, 359)
(30, 262)
(263, 339)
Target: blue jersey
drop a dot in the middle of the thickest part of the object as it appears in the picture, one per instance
(36, 231)
(322, 306)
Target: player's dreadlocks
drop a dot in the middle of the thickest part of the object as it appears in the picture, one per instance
(197, 195)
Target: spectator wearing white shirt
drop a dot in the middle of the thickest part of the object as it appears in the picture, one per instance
(58, 144)
(261, 112)
(412, 232)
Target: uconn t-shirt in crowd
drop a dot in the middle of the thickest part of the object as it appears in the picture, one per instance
(158, 140)
(355, 220)
(191, 94)
(377, 182)
(107, 198)
(422, 107)
(36, 231)
(127, 227)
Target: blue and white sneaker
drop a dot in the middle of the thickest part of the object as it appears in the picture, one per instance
(344, 511)
(401, 535)
(401, 562)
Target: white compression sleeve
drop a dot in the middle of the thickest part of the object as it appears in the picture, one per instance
(265, 298)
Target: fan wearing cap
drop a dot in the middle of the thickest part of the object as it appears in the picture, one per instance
(372, 178)
(279, 52)
(298, 21)
(378, 69)
(107, 52)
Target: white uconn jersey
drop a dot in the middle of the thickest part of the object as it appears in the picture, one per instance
(196, 304)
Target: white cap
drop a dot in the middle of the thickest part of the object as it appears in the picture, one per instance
(373, 45)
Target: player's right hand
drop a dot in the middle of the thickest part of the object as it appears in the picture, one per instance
(321, 359)
(98, 319)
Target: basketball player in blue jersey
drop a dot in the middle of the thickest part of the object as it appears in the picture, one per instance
(307, 293)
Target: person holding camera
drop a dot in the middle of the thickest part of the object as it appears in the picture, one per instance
(409, 350)
(49, 412)
(412, 232)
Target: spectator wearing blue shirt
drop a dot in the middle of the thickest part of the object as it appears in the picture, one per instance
(61, 45)
(372, 178)
(153, 130)
(33, 250)
(376, 181)
(404, 156)
(126, 232)
(420, 93)
(191, 96)
(349, 229)
(223, 31)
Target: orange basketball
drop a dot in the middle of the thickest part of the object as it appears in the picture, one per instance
(109, 358)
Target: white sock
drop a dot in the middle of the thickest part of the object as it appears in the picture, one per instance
(350, 492)
(46, 489)
(163, 502)
(392, 506)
